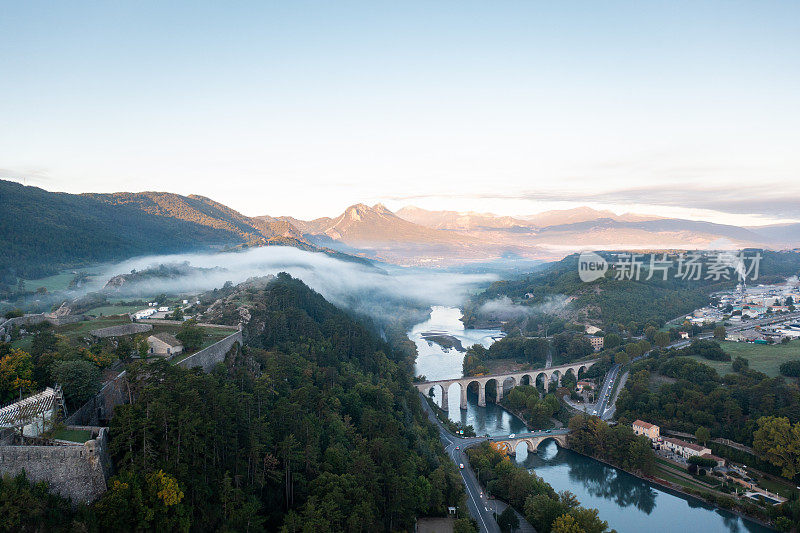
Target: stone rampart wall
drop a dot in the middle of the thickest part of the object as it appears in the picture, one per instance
(122, 329)
(99, 410)
(208, 357)
(77, 472)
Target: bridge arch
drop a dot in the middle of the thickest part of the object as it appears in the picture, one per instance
(507, 384)
(542, 379)
(531, 443)
(497, 385)
(450, 391)
(582, 370)
(555, 377)
(437, 391)
(479, 388)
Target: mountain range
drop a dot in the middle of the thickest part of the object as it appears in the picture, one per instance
(417, 236)
(43, 232)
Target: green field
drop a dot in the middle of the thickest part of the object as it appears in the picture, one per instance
(56, 282)
(763, 357)
(107, 310)
(82, 329)
(73, 435)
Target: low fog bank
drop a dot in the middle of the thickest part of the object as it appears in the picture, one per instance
(503, 308)
(361, 288)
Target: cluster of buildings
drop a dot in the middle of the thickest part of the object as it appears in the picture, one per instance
(758, 301)
(729, 472)
(678, 447)
(155, 311)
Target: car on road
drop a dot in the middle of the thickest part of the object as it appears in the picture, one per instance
(513, 435)
(461, 466)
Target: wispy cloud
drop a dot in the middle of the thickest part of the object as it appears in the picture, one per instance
(28, 176)
(768, 200)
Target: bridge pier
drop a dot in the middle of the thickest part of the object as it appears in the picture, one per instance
(499, 395)
(482, 394)
(463, 397)
(445, 399)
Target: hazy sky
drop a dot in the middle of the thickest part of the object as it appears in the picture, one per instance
(303, 108)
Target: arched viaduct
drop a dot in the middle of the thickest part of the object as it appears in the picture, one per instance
(526, 377)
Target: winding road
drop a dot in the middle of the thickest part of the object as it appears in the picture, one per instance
(480, 507)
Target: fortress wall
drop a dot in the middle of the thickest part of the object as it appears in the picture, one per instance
(78, 472)
(208, 357)
(122, 329)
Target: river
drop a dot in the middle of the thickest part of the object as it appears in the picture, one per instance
(628, 503)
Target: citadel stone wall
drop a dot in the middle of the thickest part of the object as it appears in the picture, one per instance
(122, 329)
(6, 325)
(99, 410)
(78, 472)
(208, 357)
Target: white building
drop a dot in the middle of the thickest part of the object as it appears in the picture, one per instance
(683, 448)
(164, 345)
(144, 313)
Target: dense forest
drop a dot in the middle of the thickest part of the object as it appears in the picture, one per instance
(312, 426)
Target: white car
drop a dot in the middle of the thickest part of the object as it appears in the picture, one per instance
(513, 435)
(461, 466)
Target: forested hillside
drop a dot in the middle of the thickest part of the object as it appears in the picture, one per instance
(206, 212)
(313, 426)
(556, 288)
(43, 232)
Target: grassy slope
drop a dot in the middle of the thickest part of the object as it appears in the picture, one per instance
(763, 357)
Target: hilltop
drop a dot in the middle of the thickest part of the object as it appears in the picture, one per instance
(43, 232)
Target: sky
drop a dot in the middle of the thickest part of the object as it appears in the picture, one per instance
(687, 109)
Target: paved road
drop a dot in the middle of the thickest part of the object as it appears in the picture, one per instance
(605, 392)
(480, 507)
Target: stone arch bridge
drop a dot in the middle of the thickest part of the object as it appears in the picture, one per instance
(526, 377)
(532, 440)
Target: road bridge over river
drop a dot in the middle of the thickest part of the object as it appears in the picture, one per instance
(532, 440)
(549, 375)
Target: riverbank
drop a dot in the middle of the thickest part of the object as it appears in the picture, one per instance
(677, 490)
